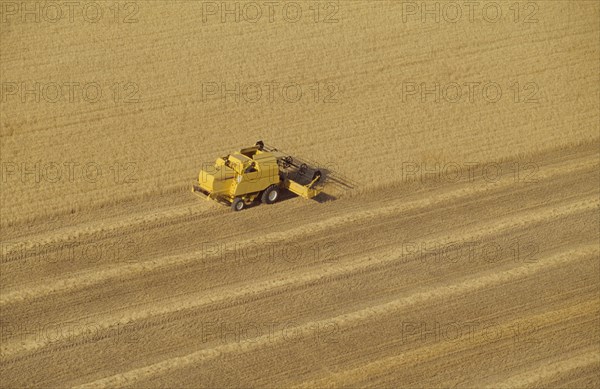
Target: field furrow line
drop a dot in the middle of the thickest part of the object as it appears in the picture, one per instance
(347, 319)
(108, 227)
(421, 354)
(530, 378)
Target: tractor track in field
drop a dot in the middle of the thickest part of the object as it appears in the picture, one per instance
(350, 318)
(318, 274)
(165, 298)
(369, 313)
(418, 296)
(544, 373)
(363, 373)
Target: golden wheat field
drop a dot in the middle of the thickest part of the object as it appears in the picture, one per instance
(458, 248)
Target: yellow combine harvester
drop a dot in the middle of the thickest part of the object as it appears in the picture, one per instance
(240, 177)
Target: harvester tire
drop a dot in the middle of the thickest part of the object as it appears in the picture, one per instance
(237, 204)
(270, 195)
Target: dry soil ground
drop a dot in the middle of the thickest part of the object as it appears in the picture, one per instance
(466, 254)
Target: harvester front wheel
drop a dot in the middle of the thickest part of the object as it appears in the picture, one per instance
(270, 195)
(237, 204)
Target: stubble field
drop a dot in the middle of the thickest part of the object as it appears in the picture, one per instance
(465, 253)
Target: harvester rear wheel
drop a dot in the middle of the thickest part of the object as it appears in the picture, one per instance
(270, 195)
(237, 204)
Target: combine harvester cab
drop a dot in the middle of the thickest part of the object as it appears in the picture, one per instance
(239, 178)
